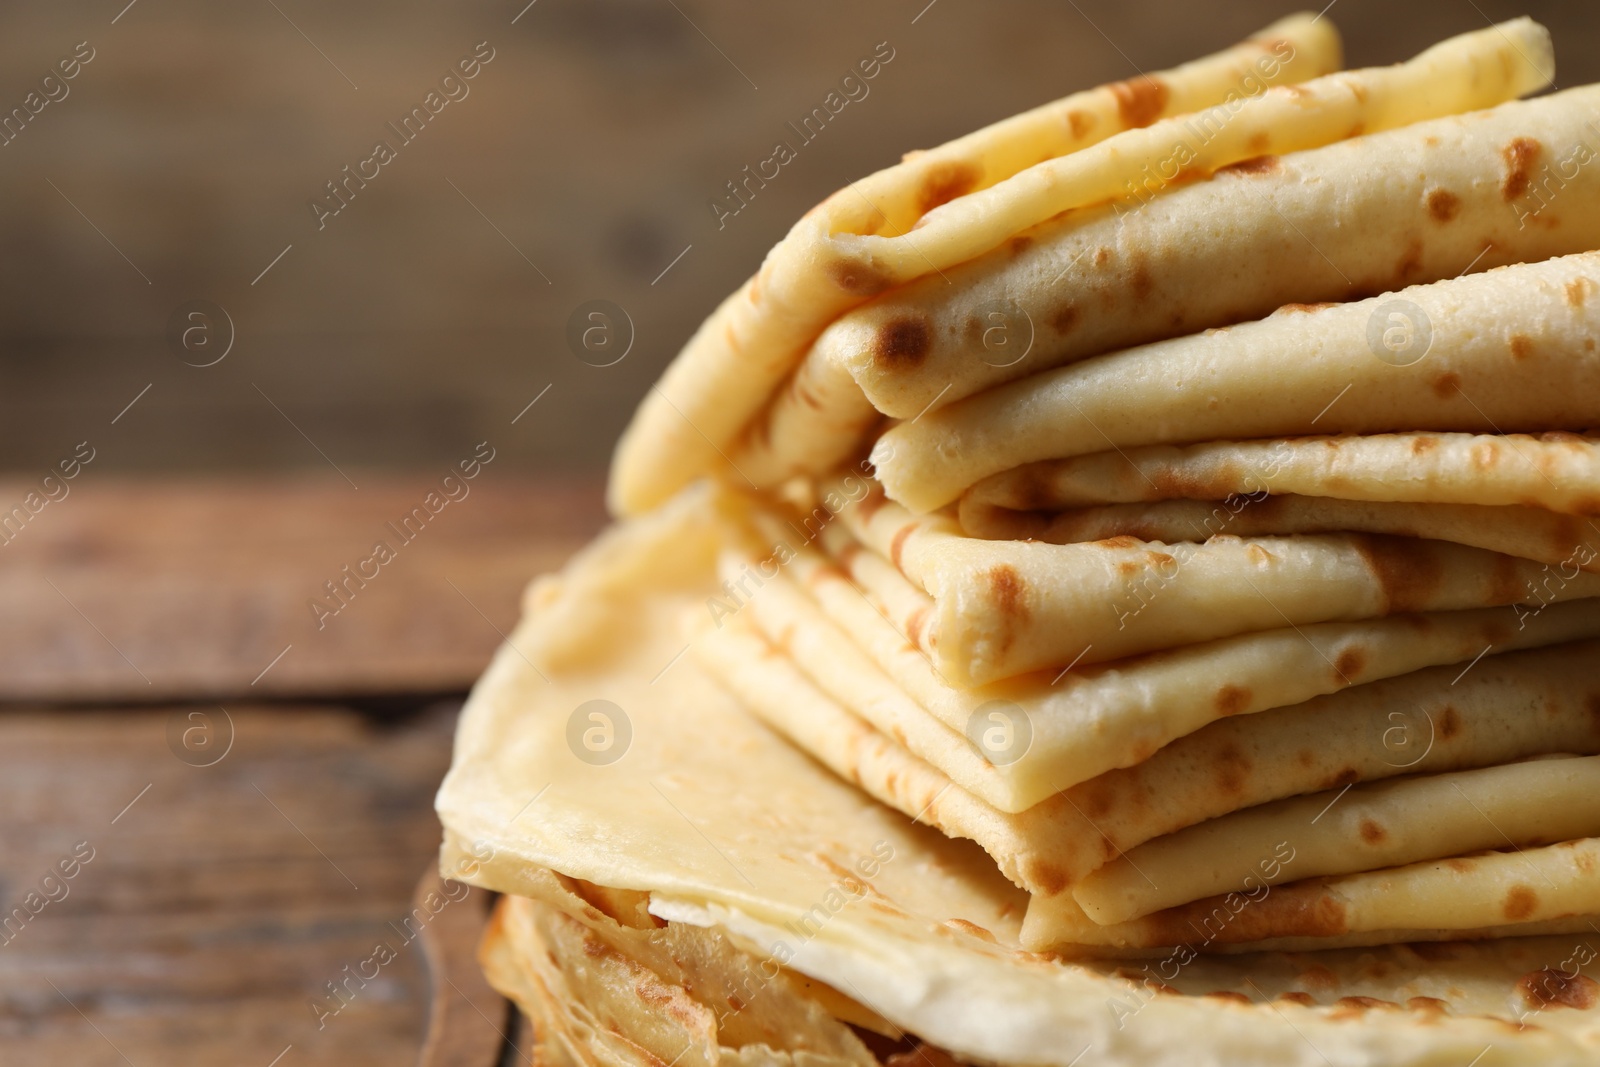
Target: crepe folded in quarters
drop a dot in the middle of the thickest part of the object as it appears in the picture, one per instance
(1357, 217)
(943, 208)
(1004, 608)
(1528, 533)
(719, 893)
(1556, 471)
(1507, 351)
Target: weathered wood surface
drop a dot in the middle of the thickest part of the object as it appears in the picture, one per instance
(219, 901)
(137, 592)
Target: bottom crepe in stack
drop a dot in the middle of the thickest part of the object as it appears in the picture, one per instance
(720, 896)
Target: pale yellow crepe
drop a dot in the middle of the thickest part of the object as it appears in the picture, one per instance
(1510, 350)
(738, 358)
(1372, 826)
(1004, 608)
(1567, 543)
(1508, 893)
(726, 826)
(1556, 471)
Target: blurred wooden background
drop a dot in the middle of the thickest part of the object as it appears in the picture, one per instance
(409, 328)
(174, 578)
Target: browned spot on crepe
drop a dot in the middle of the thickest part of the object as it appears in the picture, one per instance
(1520, 902)
(1302, 910)
(858, 279)
(902, 343)
(1449, 723)
(1578, 291)
(946, 181)
(1520, 156)
(1232, 769)
(1424, 444)
(1080, 123)
(1232, 699)
(1443, 205)
(899, 542)
(1253, 165)
(1554, 988)
(1008, 590)
(1521, 346)
(1065, 318)
(1408, 571)
(1306, 308)
(1372, 833)
(1020, 244)
(1140, 100)
(1050, 879)
(1410, 261)
(970, 928)
(1350, 663)
(1446, 385)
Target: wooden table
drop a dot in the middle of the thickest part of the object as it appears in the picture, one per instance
(239, 835)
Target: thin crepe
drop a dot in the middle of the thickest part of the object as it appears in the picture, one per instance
(1570, 543)
(1501, 893)
(1556, 471)
(1363, 828)
(1004, 608)
(1511, 350)
(731, 366)
(747, 835)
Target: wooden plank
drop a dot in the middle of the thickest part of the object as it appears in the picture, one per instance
(132, 591)
(218, 902)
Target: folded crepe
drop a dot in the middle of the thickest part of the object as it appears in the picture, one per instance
(1004, 608)
(943, 208)
(1507, 351)
(1556, 471)
(724, 835)
(1528, 533)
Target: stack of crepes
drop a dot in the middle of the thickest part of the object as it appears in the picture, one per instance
(1118, 588)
